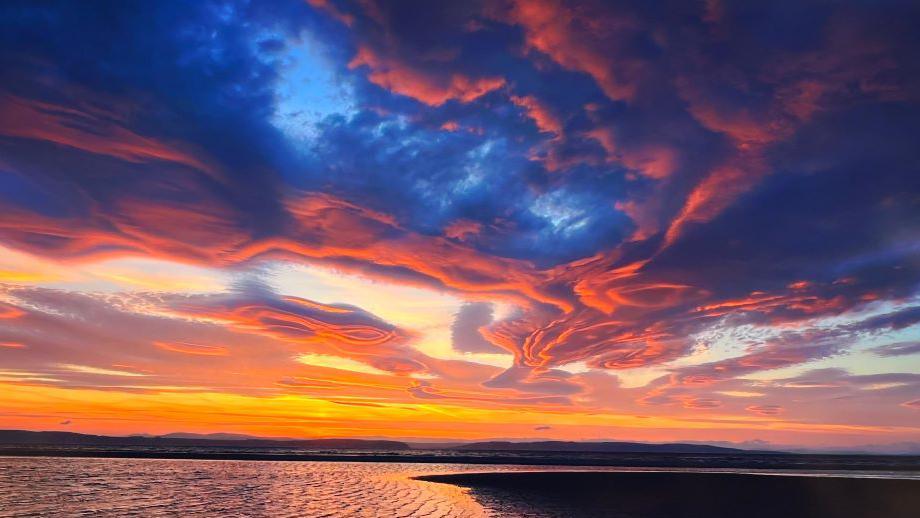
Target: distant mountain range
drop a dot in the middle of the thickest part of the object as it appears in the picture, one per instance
(224, 440)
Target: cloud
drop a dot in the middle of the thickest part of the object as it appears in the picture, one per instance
(632, 179)
(294, 319)
(765, 409)
(192, 348)
(539, 113)
(590, 40)
(87, 128)
(430, 89)
(465, 333)
(897, 349)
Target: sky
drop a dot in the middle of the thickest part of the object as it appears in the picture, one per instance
(651, 221)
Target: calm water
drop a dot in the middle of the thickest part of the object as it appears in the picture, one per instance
(48, 486)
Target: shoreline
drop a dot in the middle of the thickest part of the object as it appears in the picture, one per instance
(677, 494)
(793, 462)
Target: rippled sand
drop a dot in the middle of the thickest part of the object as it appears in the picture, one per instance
(131, 487)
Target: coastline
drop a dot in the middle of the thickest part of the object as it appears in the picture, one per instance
(677, 494)
(795, 462)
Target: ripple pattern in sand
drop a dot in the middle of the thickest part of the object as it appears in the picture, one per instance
(130, 487)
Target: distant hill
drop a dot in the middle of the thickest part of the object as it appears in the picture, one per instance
(28, 438)
(219, 436)
(596, 447)
(225, 440)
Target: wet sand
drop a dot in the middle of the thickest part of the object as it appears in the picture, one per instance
(712, 495)
(49, 487)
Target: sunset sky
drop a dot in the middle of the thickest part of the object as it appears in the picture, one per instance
(655, 221)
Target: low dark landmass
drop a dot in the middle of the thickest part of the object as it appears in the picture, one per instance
(598, 447)
(660, 495)
(24, 437)
(28, 438)
(66, 444)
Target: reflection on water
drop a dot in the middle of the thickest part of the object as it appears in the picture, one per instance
(49, 486)
(132, 487)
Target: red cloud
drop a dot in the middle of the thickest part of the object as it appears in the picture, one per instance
(333, 11)
(205, 226)
(591, 310)
(541, 114)
(300, 321)
(782, 306)
(450, 126)
(430, 88)
(644, 214)
(462, 229)
(200, 227)
(9, 311)
(89, 128)
(582, 39)
(651, 160)
(714, 193)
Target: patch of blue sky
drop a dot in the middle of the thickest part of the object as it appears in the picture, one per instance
(310, 87)
(563, 213)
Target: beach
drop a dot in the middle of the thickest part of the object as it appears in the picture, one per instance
(73, 486)
(688, 494)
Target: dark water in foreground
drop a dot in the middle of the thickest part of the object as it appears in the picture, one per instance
(50, 486)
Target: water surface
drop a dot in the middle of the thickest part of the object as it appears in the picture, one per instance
(54, 486)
